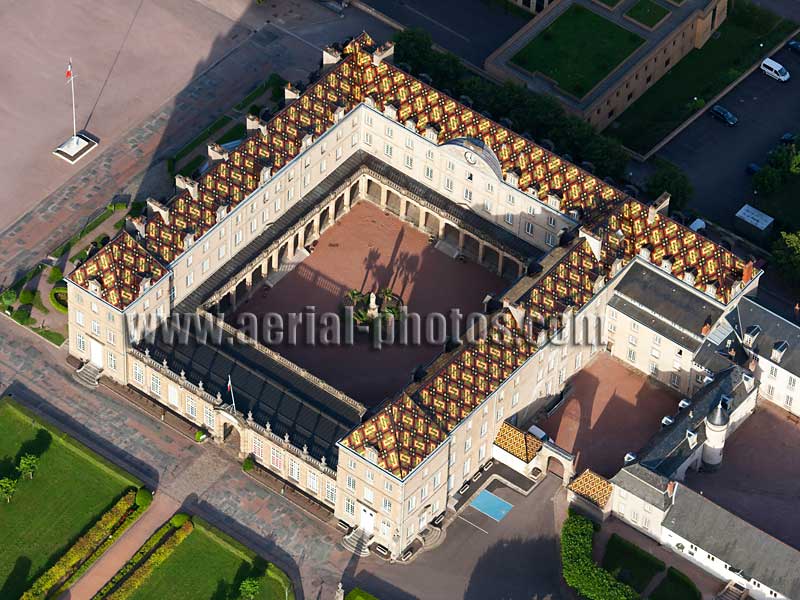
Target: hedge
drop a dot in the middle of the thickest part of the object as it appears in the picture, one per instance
(153, 541)
(676, 586)
(630, 564)
(83, 548)
(62, 308)
(144, 497)
(178, 519)
(161, 554)
(581, 572)
(56, 275)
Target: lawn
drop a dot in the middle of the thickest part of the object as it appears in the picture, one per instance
(208, 564)
(71, 489)
(578, 50)
(782, 205)
(358, 594)
(676, 586)
(747, 33)
(630, 564)
(647, 12)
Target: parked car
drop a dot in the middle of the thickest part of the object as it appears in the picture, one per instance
(721, 113)
(794, 46)
(788, 138)
(753, 168)
(775, 69)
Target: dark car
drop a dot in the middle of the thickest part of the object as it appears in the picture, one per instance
(753, 168)
(794, 46)
(721, 113)
(788, 138)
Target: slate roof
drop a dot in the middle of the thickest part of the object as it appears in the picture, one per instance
(752, 552)
(518, 443)
(275, 394)
(662, 327)
(773, 330)
(644, 483)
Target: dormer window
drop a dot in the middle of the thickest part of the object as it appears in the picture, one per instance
(778, 351)
(750, 335)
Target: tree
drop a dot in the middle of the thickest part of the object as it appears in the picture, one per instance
(786, 252)
(786, 160)
(669, 178)
(767, 181)
(249, 588)
(7, 488)
(28, 464)
(414, 47)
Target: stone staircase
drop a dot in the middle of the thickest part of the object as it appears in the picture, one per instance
(733, 591)
(357, 541)
(87, 375)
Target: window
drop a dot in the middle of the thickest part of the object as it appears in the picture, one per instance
(510, 199)
(351, 483)
(632, 340)
(389, 132)
(408, 161)
(653, 369)
(95, 310)
(631, 355)
(312, 482)
(467, 444)
(551, 221)
(481, 452)
(258, 447)
(349, 506)
(487, 205)
(96, 327)
(294, 470)
(515, 395)
(509, 218)
(155, 384)
(484, 428)
(387, 485)
(468, 194)
(208, 417)
(770, 390)
(450, 165)
(110, 317)
(549, 239)
(634, 326)
(467, 467)
(205, 266)
(276, 459)
(792, 382)
(221, 253)
(423, 492)
(191, 407)
(112, 361)
(111, 337)
(409, 142)
(674, 380)
(773, 370)
(387, 506)
(655, 352)
(412, 503)
(656, 340)
(448, 184)
(428, 172)
(529, 228)
(387, 150)
(499, 414)
(189, 280)
(330, 492)
(237, 238)
(138, 371)
(368, 138)
(385, 528)
(788, 401)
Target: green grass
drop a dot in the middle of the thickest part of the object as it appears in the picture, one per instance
(237, 132)
(259, 91)
(358, 594)
(208, 564)
(201, 137)
(630, 564)
(193, 165)
(70, 490)
(647, 12)
(747, 34)
(676, 586)
(51, 336)
(578, 50)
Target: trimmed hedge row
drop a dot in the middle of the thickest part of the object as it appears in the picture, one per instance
(161, 554)
(83, 549)
(54, 301)
(153, 541)
(581, 572)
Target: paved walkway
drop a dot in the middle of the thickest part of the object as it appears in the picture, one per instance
(707, 584)
(124, 548)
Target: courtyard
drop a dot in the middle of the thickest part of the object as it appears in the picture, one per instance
(757, 480)
(368, 250)
(608, 410)
(578, 50)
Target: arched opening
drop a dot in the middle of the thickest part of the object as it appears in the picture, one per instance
(373, 192)
(283, 253)
(354, 190)
(431, 224)
(491, 259)
(308, 232)
(450, 234)
(412, 213)
(393, 203)
(472, 248)
(510, 269)
(325, 218)
(257, 275)
(339, 206)
(555, 466)
(241, 291)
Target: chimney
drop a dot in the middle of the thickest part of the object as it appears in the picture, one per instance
(750, 335)
(390, 110)
(645, 252)
(411, 123)
(748, 381)
(652, 213)
(672, 486)
(599, 283)
(266, 175)
(753, 364)
(666, 264)
(690, 275)
(188, 240)
(308, 139)
(432, 134)
(662, 203)
(706, 329)
(616, 266)
(135, 225)
(383, 53)
(778, 350)
(339, 113)
(747, 271)
(222, 212)
(290, 93)
(711, 289)
(252, 122)
(330, 56)
(187, 183)
(154, 206)
(216, 152)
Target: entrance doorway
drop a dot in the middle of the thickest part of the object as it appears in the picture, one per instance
(97, 354)
(367, 520)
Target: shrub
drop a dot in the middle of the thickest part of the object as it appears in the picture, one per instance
(144, 497)
(161, 554)
(248, 464)
(669, 178)
(580, 571)
(82, 549)
(200, 435)
(9, 297)
(58, 298)
(23, 315)
(178, 519)
(27, 296)
(56, 275)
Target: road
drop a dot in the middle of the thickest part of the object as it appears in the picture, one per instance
(715, 156)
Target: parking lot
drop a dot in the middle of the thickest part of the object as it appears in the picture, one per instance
(715, 156)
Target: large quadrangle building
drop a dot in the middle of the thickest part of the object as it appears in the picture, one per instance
(571, 248)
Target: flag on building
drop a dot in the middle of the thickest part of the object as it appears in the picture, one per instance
(230, 391)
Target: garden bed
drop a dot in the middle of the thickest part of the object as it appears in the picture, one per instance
(630, 564)
(648, 13)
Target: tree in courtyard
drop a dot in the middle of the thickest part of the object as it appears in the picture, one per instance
(249, 588)
(786, 252)
(767, 181)
(669, 178)
(786, 160)
(413, 47)
(28, 464)
(7, 488)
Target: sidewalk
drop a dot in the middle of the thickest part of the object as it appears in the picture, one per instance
(162, 508)
(708, 585)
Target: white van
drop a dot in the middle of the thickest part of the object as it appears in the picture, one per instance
(774, 69)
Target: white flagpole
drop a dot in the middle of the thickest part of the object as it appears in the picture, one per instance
(72, 86)
(230, 386)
